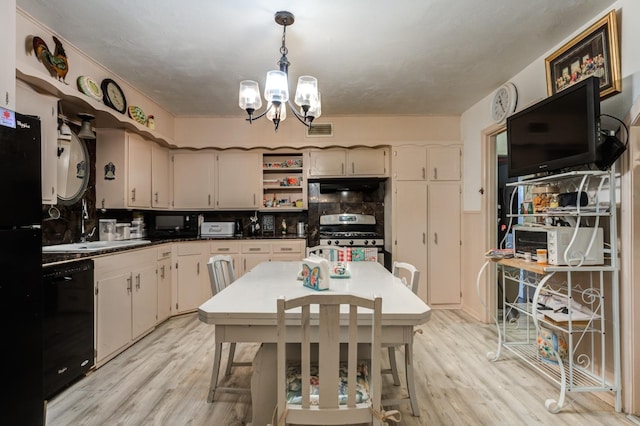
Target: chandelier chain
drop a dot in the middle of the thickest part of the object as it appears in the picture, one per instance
(283, 49)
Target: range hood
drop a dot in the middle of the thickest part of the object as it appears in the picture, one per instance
(349, 184)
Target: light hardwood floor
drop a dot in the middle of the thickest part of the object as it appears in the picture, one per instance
(163, 380)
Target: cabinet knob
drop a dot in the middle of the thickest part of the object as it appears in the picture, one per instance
(133, 194)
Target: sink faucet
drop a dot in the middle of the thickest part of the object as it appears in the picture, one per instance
(85, 216)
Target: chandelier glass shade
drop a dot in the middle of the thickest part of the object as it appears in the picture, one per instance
(276, 91)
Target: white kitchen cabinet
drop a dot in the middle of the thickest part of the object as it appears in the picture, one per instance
(193, 179)
(8, 55)
(123, 168)
(426, 217)
(254, 253)
(193, 287)
(288, 250)
(145, 300)
(126, 300)
(444, 240)
(329, 162)
(239, 180)
(160, 177)
(366, 162)
(46, 108)
(163, 272)
(410, 163)
(229, 248)
(445, 163)
(410, 228)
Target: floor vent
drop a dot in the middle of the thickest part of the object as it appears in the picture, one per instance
(319, 130)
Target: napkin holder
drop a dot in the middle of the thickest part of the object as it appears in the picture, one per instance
(315, 273)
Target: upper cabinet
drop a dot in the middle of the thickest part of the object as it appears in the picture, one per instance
(160, 178)
(239, 184)
(372, 162)
(445, 163)
(433, 163)
(193, 179)
(8, 55)
(123, 168)
(46, 108)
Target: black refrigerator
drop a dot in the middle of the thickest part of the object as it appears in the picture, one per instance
(21, 302)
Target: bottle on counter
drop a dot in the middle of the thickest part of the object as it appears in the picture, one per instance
(284, 227)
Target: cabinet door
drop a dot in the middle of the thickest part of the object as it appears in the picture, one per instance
(410, 228)
(444, 243)
(250, 261)
(193, 180)
(164, 289)
(329, 162)
(46, 107)
(239, 184)
(366, 162)
(445, 163)
(145, 300)
(8, 55)
(410, 162)
(113, 316)
(139, 171)
(160, 183)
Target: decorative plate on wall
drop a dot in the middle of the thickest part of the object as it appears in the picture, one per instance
(89, 87)
(137, 114)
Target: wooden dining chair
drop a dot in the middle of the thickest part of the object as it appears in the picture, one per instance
(308, 393)
(221, 275)
(410, 277)
(331, 253)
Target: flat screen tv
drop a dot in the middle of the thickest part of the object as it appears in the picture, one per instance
(559, 132)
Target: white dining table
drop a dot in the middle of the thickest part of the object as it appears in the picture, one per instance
(246, 311)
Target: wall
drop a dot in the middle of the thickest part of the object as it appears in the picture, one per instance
(226, 132)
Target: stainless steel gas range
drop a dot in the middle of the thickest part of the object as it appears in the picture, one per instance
(354, 231)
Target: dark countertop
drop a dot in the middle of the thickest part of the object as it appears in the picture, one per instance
(52, 258)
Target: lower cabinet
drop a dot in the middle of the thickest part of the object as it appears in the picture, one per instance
(137, 289)
(126, 300)
(163, 273)
(192, 284)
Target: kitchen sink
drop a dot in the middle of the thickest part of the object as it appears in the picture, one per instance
(92, 246)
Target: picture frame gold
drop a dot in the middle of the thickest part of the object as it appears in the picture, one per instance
(595, 51)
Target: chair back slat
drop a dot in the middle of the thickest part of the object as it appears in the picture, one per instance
(221, 273)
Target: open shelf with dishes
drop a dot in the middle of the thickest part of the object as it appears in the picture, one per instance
(564, 318)
(283, 184)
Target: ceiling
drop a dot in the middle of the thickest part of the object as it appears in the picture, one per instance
(407, 57)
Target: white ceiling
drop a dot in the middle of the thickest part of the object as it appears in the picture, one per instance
(425, 57)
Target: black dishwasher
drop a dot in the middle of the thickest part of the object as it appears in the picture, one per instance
(68, 323)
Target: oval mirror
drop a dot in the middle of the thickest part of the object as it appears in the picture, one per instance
(73, 170)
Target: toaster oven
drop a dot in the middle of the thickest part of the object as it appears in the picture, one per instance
(565, 245)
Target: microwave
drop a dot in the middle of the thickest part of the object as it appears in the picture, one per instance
(174, 225)
(557, 240)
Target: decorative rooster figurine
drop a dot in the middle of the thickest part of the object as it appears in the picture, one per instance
(55, 62)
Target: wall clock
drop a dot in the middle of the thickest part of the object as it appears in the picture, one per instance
(113, 96)
(504, 102)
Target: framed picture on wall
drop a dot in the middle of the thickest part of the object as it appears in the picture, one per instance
(593, 52)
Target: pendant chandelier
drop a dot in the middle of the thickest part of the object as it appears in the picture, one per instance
(276, 91)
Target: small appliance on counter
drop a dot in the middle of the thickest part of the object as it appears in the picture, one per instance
(173, 226)
(217, 229)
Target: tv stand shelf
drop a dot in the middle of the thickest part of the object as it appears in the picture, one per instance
(564, 320)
